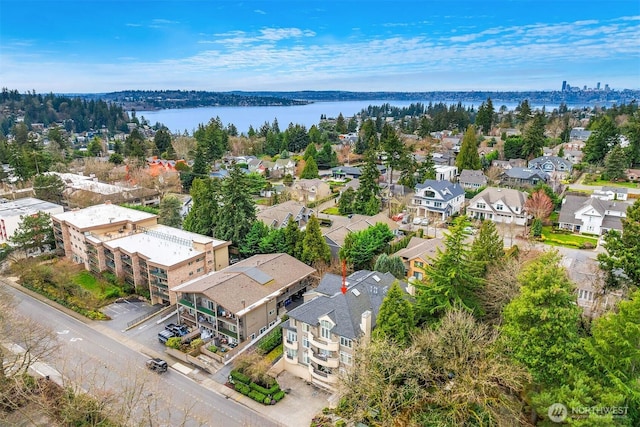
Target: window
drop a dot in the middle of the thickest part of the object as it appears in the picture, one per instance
(191, 273)
(272, 312)
(292, 337)
(292, 354)
(499, 207)
(346, 342)
(481, 206)
(346, 358)
(305, 327)
(305, 358)
(200, 270)
(417, 275)
(430, 194)
(305, 342)
(325, 329)
(418, 264)
(262, 330)
(437, 204)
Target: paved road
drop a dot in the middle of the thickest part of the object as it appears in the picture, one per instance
(99, 363)
(582, 187)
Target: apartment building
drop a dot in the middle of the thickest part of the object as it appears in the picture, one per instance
(321, 336)
(12, 211)
(243, 300)
(132, 245)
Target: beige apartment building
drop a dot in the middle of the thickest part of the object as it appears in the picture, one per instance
(132, 245)
(244, 300)
(321, 336)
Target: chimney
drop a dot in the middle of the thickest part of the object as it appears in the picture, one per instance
(365, 324)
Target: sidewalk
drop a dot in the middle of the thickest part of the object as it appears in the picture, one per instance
(298, 408)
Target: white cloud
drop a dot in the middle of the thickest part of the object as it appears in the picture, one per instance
(261, 12)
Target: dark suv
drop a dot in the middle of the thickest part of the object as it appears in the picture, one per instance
(157, 365)
(178, 330)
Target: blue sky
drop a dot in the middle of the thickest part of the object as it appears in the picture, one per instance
(101, 46)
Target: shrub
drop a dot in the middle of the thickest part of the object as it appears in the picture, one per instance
(239, 376)
(279, 396)
(587, 245)
(275, 388)
(267, 400)
(242, 388)
(271, 341)
(112, 293)
(174, 342)
(341, 423)
(212, 348)
(257, 396)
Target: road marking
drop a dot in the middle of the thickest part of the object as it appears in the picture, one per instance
(75, 339)
(142, 327)
(66, 331)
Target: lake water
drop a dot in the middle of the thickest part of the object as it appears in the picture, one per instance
(188, 119)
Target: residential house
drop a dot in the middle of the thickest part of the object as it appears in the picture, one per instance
(132, 245)
(13, 211)
(500, 205)
(243, 300)
(591, 294)
(336, 228)
(579, 133)
(447, 158)
(611, 193)
(418, 253)
(591, 215)
(440, 199)
(523, 177)
(574, 156)
(256, 166)
(552, 165)
(508, 164)
(282, 167)
(633, 174)
(472, 179)
(344, 172)
(446, 173)
(277, 216)
(309, 190)
(321, 337)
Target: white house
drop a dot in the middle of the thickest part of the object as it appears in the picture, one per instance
(611, 193)
(438, 199)
(500, 205)
(591, 215)
(446, 173)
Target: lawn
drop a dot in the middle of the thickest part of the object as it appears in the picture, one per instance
(98, 287)
(566, 240)
(332, 211)
(605, 183)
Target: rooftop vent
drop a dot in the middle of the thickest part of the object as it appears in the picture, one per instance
(355, 292)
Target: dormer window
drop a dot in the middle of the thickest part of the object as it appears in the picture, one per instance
(499, 207)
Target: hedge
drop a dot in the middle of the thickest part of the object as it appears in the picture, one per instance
(239, 376)
(243, 388)
(257, 396)
(275, 388)
(279, 396)
(270, 341)
(267, 400)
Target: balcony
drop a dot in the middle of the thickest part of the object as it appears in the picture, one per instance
(293, 345)
(206, 310)
(228, 333)
(126, 259)
(160, 285)
(158, 273)
(159, 294)
(321, 376)
(321, 359)
(127, 269)
(323, 344)
(111, 264)
(186, 302)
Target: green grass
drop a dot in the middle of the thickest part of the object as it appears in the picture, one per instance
(602, 182)
(566, 240)
(97, 287)
(332, 211)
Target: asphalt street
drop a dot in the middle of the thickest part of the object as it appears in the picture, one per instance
(100, 364)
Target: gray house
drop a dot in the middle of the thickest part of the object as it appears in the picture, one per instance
(472, 179)
(523, 177)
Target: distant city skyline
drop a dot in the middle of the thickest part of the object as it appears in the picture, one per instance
(94, 46)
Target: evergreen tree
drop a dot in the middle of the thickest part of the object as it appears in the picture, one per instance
(341, 124)
(391, 264)
(513, 147)
(293, 238)
(484, 118)
(274, 242)
(488, 246)
(326, 158)
(396, 152)
(310, 152)
(314, 247)
(206, 198)
(605, 136)
(468, 158)
(169, 211)
(523, 112)
(395, 317)
(345, 204)
(33, 232)
(310, 170)
(616, 164)
(632, 132)
(239, 208)
(621, 261)
(49, 187)
(134, 145)
(361, 247)
(541, 325)
(368, 138)
(533, 137)
(251, 245)
(367, 200)
(94, 149)
(212, 140)
(452, 278)
(162, 141)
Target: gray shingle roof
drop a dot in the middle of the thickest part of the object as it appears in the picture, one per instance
(472, 177)
(345, 310)
(445, 188)
(525, 173)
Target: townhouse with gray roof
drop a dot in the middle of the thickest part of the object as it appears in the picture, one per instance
(552, 165)
(472, 179)
(321, 336)
(523, 177)
(277, 216)
(500, 205)
(439, 199)
(591, 215)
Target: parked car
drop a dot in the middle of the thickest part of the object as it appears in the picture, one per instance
(417, 220)
(163, 336)
(425, 221)
(179, 330)
(157, 365)
(470, 230)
